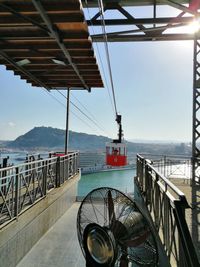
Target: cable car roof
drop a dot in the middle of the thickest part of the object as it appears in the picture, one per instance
(47, 43)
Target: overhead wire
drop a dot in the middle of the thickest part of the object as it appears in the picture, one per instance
(92, 115)
(83, 106)
(57, 100)
(99, 57)
(83, 113)
(101, 10)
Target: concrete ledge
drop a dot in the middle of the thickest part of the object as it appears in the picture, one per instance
(18, 237)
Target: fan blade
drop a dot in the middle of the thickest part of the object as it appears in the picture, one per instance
(137, 241)
(111, 211)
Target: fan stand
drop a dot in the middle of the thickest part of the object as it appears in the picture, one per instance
(123, 261)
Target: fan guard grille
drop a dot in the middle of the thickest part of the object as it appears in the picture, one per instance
(125, 231)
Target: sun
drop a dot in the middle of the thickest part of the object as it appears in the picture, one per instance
(193, 27)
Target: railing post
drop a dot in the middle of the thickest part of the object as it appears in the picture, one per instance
(16, 211)
(145, 183)
(44, 179)
(67, 167)
(58, 172)
(156, 202)
(75, 163)
(62, 176)
(140, 170)
(188, 250)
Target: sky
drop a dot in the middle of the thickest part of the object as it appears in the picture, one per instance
(153, 86)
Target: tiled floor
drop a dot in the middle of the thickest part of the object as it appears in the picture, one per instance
(59, 246)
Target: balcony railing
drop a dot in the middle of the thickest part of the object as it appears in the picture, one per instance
(23, 185)
(167, 205)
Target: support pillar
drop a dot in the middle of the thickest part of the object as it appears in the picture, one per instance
(196, 148)
(67, 123)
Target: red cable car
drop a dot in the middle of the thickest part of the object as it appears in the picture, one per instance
(116, 152)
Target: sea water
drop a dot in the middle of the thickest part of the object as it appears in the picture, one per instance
(122, 180)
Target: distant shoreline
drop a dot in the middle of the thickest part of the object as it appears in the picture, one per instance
(132, 167)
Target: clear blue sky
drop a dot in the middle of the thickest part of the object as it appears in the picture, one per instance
(153, 84)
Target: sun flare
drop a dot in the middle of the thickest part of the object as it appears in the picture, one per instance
(193, 26)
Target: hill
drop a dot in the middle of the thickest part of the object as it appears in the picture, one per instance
(53, 138)
(48, 138)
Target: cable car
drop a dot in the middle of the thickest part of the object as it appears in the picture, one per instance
(116, 152)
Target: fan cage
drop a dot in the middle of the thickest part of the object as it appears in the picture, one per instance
(94, 209)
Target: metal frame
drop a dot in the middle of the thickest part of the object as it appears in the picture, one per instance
(167, 205)
(23, 185)
(155, 33)
(196, 108)
(195, 145)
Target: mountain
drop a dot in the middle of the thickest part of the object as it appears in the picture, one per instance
(48, 138)
(53, 138)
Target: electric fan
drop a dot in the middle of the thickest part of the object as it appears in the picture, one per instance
(114, 232)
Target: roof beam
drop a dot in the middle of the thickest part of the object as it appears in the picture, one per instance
(143, 38)
(152, 30)
(55, 34)
(129, 16)
(116, 22)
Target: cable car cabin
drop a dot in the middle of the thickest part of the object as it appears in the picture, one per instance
(116, 154)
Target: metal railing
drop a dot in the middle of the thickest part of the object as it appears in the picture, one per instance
(23, 185)
(172, 166)
(167, 205)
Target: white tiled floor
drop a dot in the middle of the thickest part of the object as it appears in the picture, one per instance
(59, 246)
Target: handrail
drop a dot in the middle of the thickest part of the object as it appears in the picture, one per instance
(168, 213)
(168, 182)
(21, 186)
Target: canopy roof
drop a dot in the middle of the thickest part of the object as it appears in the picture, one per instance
(47, 43)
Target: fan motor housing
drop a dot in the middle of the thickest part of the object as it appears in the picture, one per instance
(99, 245)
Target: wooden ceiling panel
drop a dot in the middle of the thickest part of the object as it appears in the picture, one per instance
(47, 43)
(7, 19)
(51, 6)
(42, 53)
(44, 44)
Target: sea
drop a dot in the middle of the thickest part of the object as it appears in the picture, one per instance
(16, 158)
(122, 180)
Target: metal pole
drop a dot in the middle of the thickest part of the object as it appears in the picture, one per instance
(195, 148)
(154, 12)
(67, 124)
(194, 110)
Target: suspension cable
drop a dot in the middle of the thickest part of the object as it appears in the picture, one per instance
(101, 9)
(90, 113)
(57, 100)
(83, 113)
(99, 57)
